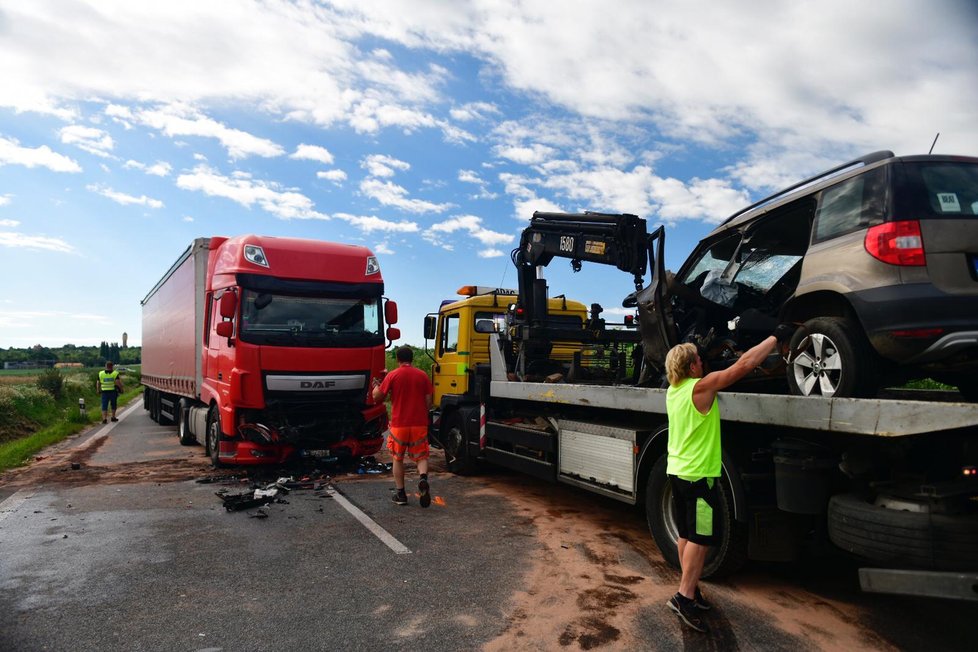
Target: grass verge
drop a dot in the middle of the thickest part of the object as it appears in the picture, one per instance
(17, 452)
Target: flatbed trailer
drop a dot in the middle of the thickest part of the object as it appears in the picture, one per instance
(891, 481)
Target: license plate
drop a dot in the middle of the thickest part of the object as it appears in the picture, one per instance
(316, 453)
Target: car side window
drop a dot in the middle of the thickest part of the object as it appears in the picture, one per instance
(849, 206)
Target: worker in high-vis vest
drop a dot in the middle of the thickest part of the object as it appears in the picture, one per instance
(694, 461)
(109, 386)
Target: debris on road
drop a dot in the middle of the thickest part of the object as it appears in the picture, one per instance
(264, 489)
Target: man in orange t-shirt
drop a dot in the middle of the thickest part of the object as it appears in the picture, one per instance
(410, 390)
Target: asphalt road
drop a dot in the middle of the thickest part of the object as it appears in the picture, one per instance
(128, 552)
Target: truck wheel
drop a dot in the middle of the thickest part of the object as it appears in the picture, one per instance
(905, 538)
(836, 360)
(183, 429)
(730, 553)
(153, 404)
(456, 446)
(214, 437)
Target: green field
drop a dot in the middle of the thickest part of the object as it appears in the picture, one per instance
(39, 408)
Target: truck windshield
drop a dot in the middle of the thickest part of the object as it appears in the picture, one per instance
(309, 321)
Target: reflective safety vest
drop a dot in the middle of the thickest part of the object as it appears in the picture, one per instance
(107, 380)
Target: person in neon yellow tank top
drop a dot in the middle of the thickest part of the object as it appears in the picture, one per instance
(694, 453)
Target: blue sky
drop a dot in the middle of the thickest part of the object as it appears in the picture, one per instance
(430, 131)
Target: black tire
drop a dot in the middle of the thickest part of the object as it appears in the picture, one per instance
(183, 431)
(214, 437)
(903, 538)
(835, 361)
(455, 445)
(728, 556)
(153, 405)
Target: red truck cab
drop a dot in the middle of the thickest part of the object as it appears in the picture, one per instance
(287, 335)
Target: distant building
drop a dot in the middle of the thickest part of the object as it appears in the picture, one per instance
(125, 340)
(30, 364)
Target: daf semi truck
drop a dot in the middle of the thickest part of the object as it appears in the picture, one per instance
(263, 349)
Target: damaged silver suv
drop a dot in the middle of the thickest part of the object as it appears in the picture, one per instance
(877, 258)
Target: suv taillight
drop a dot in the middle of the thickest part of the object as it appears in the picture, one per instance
(896, 243)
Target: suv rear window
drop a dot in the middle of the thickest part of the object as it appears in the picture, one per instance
(942, 189)
(951, 189)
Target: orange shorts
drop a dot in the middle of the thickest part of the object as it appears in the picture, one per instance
(412, 440)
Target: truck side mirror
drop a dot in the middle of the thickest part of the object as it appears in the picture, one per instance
(229, 303)
(390, 313)
(430, 326)
(485, 326)
(393, 334)
(225, 328)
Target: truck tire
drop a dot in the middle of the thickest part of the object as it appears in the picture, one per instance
(836, 360)
(153, 404)
(214, 437)
(730, 553)
(183, 429)
(455, 444)
(903, 538)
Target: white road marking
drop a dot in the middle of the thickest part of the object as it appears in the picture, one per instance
(11, 503)
(386, 537)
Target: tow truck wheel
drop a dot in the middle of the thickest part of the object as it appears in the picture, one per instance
(730, 551)
(183, 431)
(835, 361)
(214, 437)
(455, 445)
(903, 537)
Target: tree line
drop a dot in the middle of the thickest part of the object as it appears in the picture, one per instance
(89, 356)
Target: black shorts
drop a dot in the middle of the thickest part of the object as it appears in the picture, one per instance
(696, 504)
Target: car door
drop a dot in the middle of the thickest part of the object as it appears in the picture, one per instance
(656, 324)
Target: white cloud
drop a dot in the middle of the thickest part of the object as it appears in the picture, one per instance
(158, 169)
(379, 165)
(531, 155)
(491, 253)
(5, 199)
(312, 153)
(391, 194)
(470, 176)
(187, 218)
(336, 176)
(11, 153)
(371, 223)
(123, 198)
(474, 111)
(472, 226)
(241, 188)
(90, 139)
(383, 248)
(176, 120)
(22, 241)
(9, 223)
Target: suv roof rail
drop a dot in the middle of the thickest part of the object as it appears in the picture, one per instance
(862, 160)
